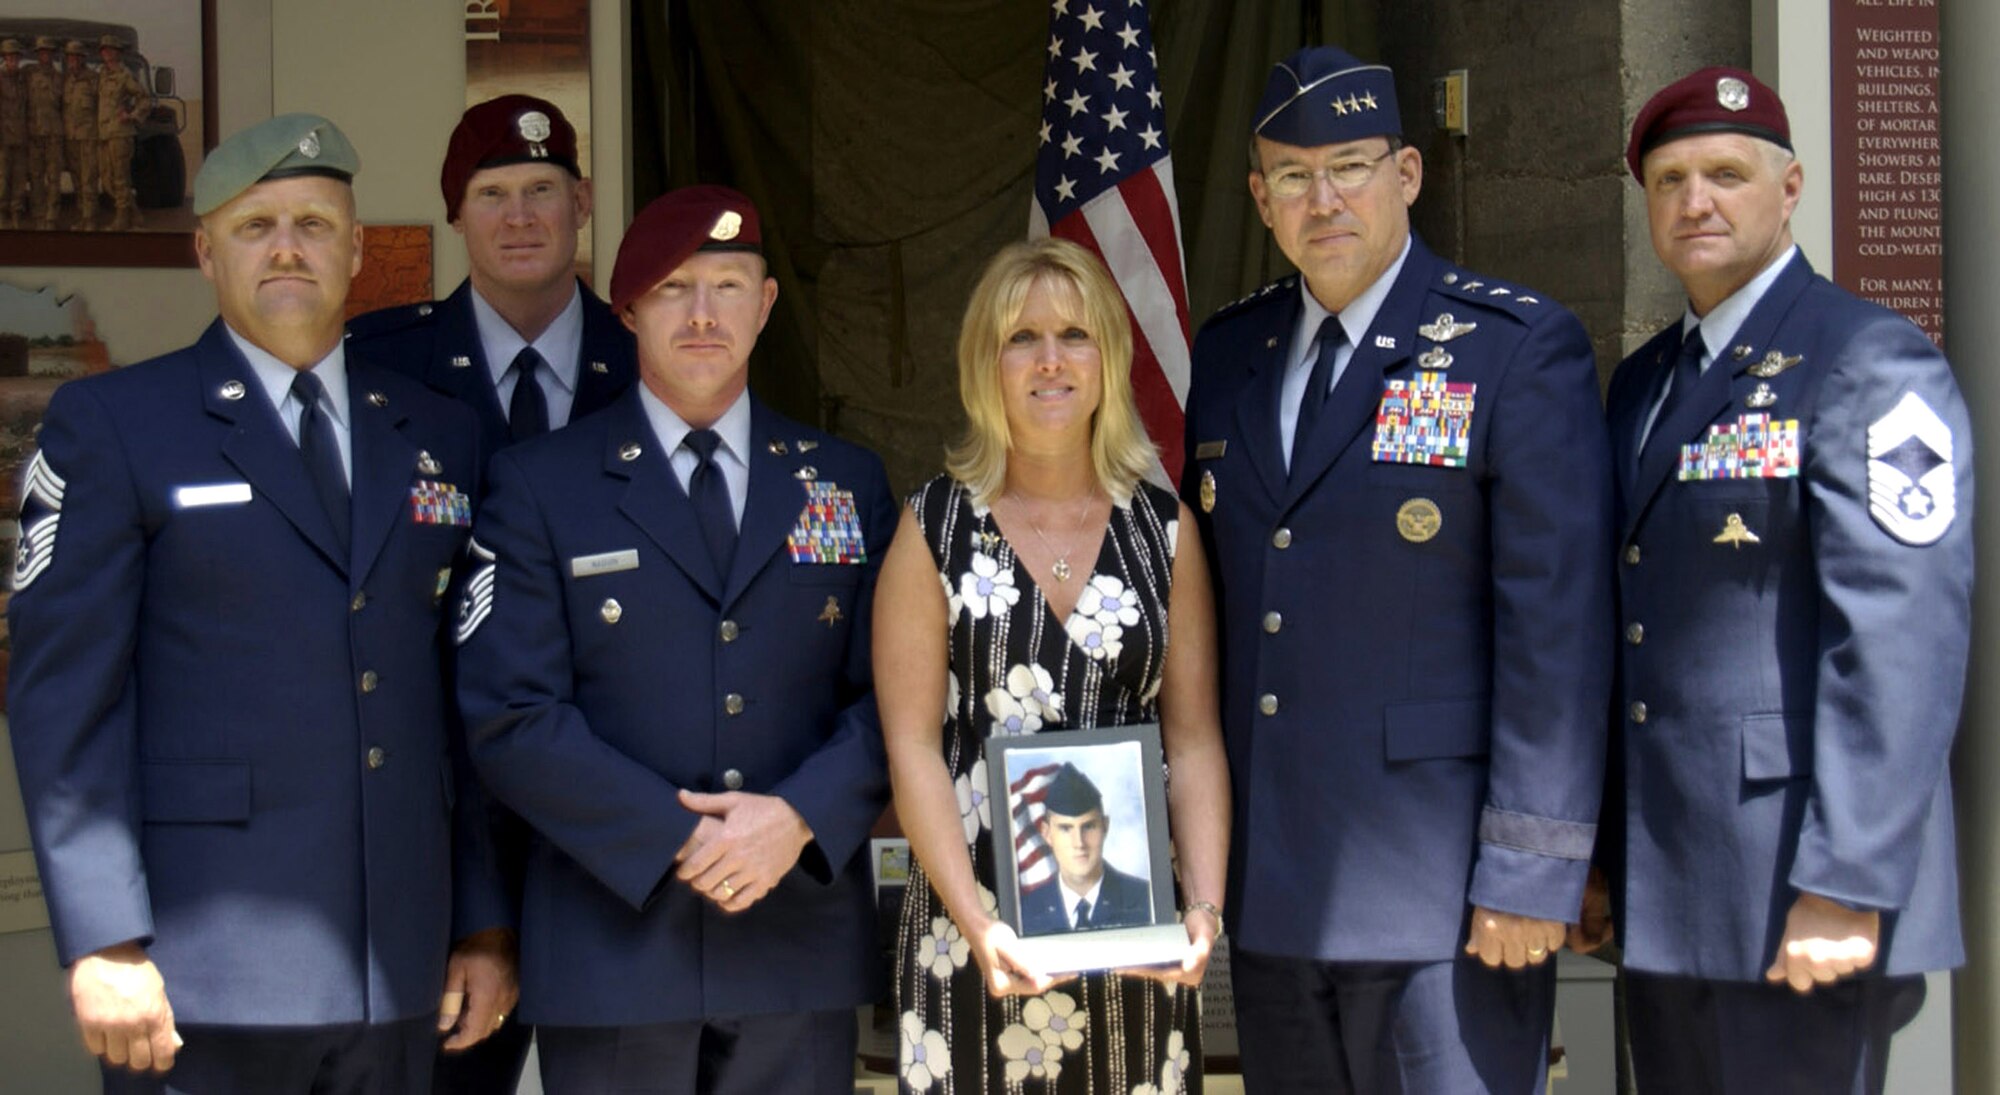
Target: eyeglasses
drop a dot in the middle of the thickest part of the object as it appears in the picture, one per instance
(1345, 177)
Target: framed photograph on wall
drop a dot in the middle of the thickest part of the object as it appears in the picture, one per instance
(123, 198)
(1082, 868)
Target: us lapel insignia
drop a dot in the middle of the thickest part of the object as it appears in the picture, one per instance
(232, 391)
(1774, 362)
(629, 451)
(599, 368)
(1761, 398)
(377, 399)
(1446, 327)
(777, 448)
(830, 613)
(1271, 343)
(460, 361)
(428, 464)
(1434, 358)
(1208, 492)
(1735, 533)
(1385, 342)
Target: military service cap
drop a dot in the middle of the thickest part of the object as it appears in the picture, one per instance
(76, 47)
(673, 227)
(111, 41)
(1322, 95)
(283, 147)
(1071, 793)
(508, 130)
(10, 46)
(1712, 100)
(45, 43)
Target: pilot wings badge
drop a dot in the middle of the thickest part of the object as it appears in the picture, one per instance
(1911, 485)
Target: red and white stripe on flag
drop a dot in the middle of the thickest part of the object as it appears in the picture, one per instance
(1104, 179)
(1034, 864)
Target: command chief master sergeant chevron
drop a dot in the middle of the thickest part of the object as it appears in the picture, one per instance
(1399, 469)
(228, 708)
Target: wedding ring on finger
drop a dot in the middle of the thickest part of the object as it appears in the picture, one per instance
(1537, 952)
(728, 890)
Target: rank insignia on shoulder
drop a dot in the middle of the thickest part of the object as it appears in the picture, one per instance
(1774, 362)
(1426, 419)
(435, 503)
(475, 603)
(829, 614)
(1912, 487)
(1207, 491)
(1735, 533)
(828, 529)
(41, 515)
(1755, 446)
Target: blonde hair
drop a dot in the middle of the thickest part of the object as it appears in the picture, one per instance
(1120, 452)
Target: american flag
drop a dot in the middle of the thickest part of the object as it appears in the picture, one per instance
(1103, 179)
(1033, 863)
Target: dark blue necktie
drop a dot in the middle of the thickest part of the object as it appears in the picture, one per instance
(528, 410)
(1330, 339)
(1082, 913)
(710, 494)
(1686, 375)
(322, 453)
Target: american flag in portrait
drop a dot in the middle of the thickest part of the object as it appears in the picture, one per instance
(1103, 179)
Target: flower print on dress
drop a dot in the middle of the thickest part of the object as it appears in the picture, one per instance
(987, 589)
(1011, 717)
(1032, 685)
(1173, 539)
(1174, 1070)
(1100, 641)
(953, 603)
(943, 949)
(951, 694)
(926, 1058)
(1028, 1056)
(1109, 601)
(975, 809)
(1055, 1016)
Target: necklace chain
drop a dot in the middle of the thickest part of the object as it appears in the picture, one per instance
(1060, 568)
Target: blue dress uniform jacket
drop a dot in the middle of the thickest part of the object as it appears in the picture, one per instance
(1789, 701)
(609, 668)
(232, 740)
(438, 343)
(1413, 709)
(1122, 901)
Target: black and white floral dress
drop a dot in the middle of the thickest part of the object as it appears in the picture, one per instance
(1016, 669)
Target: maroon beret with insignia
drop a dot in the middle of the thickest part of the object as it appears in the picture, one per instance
(672, 228)
(508, 130)
(1713, 100)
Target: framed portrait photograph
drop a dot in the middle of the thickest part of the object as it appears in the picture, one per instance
(121, 111)
(1082, 869)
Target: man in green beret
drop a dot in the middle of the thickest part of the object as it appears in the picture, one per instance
(257, 832)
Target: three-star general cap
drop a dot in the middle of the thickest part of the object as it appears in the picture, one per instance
(1071, 793)
(1322, 95)
(1712, 100)
(285, 146)
(508, 130)
(672, 228)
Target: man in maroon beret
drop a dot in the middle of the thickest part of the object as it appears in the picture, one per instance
(1795, 579)
(664, 670)
(515, 191)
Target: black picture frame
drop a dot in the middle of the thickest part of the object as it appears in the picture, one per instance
(1124, 764)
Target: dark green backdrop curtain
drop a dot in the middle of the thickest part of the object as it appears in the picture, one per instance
(890, 147)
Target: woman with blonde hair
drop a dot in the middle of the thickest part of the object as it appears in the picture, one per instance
(1027, 591)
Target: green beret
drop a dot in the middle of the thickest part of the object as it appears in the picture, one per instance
(285, 146)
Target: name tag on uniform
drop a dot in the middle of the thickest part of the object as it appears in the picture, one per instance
(435, 503)
(1755, 446)
(211, 494)
(605, 562)
(1210, 450)
(1424, 420)
(829, 528)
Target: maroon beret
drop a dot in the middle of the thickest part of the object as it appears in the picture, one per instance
(1713, 100)
(672, 228)
(507, 130)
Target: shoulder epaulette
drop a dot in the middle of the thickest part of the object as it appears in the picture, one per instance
(1289, 281)
(390, 320)
(1492, 293)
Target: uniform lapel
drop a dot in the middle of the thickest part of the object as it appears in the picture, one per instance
(602, 372)
(258, 445)
(1713, 395)
(1257, 404)
(384, 461)
(1628, 416)
(654, 499)
(472, 382)
(773, 506)
(1355, 396)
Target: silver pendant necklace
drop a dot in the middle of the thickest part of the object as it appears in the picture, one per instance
(1060, 568)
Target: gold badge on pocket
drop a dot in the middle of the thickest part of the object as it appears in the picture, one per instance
(1208, 492)
(1418, 520)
